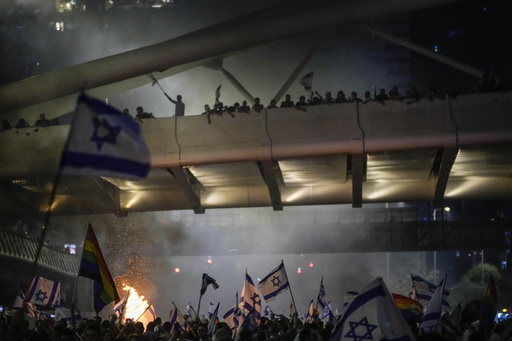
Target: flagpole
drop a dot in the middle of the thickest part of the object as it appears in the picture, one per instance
(198, 307)
(42, 237)
(319, 292)
(179, 312)
(290, 287)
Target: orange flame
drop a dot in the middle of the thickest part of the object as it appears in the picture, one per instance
(136, 304)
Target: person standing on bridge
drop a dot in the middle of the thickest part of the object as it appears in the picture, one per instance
(180, 106)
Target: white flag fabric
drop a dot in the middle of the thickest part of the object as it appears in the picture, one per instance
(213, 318)
(322, 296)
(372, 315)
(149, 315)
(62, 313)
(44, 292)
(452, 324)
(274, 283)
(431, 321)
(120, 307)
(311, 312)
(233, 317)
(307, 81)
(250, 298)
(422, 291)
(103, 141)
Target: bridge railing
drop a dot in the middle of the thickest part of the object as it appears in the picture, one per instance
(25, 249)
(348, 128)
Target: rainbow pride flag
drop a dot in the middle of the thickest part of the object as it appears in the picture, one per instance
(411, 310)
(93, 266)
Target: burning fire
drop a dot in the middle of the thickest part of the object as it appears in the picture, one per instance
(136, 305)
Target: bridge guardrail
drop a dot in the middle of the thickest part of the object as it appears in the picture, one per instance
(25, 249)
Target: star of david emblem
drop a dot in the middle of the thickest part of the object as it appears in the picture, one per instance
(41, 296)
(256, 299)
(104, 133)
(361, 330)
(276, 281)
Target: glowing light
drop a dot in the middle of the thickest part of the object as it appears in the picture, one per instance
(210, 261)
(298, 194)
(176, 270)
(447, 209)
(299, 270)
(133, 201)
(136, 305)
(504, 310)
(311, 264)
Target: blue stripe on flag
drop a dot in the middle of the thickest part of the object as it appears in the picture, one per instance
(102, 162)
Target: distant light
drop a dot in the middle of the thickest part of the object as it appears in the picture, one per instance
(504, 310)
(299, 270)
(176, 270)
(447, 209)
(436, 48)
(210, 261)
(484, 8)
(311, 264)
(457, 254)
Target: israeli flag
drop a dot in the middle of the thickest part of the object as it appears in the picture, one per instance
(104, 142)
(44, 292)
(274, 283)
(373, 315)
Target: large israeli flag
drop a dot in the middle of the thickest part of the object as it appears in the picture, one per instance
(103, 141)
(372, 315)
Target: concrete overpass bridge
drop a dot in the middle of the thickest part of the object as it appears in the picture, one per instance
(353, 153)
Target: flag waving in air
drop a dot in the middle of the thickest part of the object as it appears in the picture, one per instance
(217, 94)
(307, 81)
(423, 290)
(274, 283)
(372, 315)
(44, 292)
(431, 321)
(250, 298)
(93, 266)
(103, 141)
(207, 280)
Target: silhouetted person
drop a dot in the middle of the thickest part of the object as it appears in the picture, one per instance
(42, 121)
(180, 106)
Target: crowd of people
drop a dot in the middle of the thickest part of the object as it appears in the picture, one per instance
(487, 84)
(271, 328)
(42, 121)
